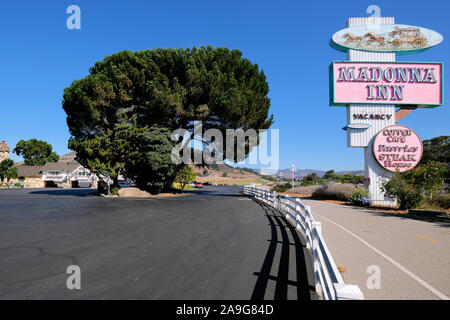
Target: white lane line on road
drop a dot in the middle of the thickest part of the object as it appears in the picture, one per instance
(395, 263)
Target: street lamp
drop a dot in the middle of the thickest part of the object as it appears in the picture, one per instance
(293, 170)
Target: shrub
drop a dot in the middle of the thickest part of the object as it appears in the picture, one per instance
(306, 190)
(442, 200)
(360, 197)
(420, 184)
(282, 187)
(336, 191)
(184, 176)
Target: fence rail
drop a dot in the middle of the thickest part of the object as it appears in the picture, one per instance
(327, 278)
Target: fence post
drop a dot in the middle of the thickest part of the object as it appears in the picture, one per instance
(297, 217)
(316, 263)
(308, 211)
(308, 233)
(318, 226)
(348, 292)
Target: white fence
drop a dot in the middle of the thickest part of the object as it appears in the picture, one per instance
(327, 278)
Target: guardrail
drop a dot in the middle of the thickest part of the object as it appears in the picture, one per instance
(327, 278)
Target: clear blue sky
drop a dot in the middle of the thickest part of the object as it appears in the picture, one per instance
(287, 39)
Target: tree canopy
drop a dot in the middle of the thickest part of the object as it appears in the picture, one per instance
(417, 185)
(7, 170)
(35, 152)
(184, 176)
(422, 185)
(436, 149)
(167, 89)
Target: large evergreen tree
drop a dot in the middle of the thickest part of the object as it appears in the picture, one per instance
(166, 89)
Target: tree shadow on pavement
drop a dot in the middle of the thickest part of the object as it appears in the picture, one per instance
(235, 192)
(281, 231)
(67, 192)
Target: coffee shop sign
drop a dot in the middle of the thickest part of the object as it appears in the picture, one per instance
(397, 148)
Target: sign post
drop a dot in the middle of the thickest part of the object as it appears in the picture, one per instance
(357, 138)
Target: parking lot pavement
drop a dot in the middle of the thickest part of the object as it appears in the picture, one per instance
(211, 244)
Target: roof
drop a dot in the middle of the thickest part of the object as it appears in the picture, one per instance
(58, 166)
(68, 157)
(66, 163)
(29, 171)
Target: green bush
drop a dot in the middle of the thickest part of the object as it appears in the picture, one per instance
(442, 200)
(282, 187)
(418, 185)
(360, 197)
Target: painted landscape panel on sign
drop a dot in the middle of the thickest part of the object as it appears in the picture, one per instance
(399, 83)
(397, 38)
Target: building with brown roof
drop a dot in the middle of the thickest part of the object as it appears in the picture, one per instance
(66, 173)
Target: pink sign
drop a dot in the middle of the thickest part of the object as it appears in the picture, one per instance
(386, 83)
(397, 148)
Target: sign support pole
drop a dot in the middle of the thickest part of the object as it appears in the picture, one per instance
(373, 172)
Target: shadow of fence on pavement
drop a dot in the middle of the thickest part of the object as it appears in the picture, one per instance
(281, 232)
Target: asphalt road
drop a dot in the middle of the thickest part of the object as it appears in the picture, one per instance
(212, 244)
(412, 254)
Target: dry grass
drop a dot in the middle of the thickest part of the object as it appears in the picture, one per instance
(304, 191)
(336, 191)
(230, 181)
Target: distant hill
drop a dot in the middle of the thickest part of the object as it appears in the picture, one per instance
(355, 172)
(218, 170)
(299, 174)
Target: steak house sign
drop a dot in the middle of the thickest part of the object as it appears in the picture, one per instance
(386, 83)
(397, 148)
